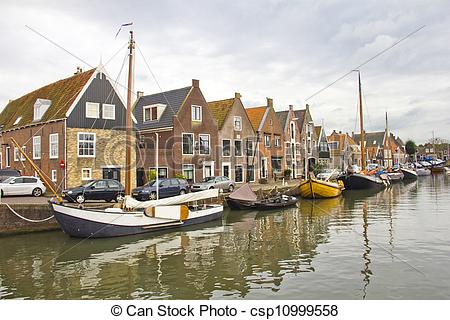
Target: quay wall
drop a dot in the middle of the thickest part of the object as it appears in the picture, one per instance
(11, 224)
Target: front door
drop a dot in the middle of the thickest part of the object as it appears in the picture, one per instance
(111, 173)
(226, 169)
(264, 168)
(140, 176)
(208, 169)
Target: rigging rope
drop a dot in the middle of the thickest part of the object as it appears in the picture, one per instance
(26, 219)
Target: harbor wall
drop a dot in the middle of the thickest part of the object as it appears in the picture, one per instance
(11, 224)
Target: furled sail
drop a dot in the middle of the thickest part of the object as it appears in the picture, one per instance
(184, 198)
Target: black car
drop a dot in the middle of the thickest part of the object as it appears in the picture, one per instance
(102, 189)
(6, 173)
(167, 188)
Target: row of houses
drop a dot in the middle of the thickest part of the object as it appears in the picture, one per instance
(74, 130)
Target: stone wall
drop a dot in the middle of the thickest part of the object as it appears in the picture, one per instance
(109, 153)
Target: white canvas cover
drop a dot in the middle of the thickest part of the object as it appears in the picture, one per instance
(244, 193)
(188, 197)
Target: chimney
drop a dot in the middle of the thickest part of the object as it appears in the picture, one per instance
(340, 132)
(237, 95)
(291, 107)
(140, 94)
(195, 83)
(307, 107)
(269, 102)
(79, 70)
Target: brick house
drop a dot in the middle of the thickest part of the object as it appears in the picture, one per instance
(292, 142)
(270, 142)
(188, 134)
(78, 121)
(375, 145)
(344, 151)
(322, 146)
(237, 139)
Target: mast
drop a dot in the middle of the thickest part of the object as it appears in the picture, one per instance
(363, 149)
(387, 141)
(129, 129)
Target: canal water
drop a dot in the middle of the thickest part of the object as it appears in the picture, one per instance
(394, 244)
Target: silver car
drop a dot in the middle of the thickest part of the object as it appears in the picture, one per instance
(220, 182)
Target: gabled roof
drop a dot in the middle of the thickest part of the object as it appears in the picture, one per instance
(256, 115)
(372, 139)
(173, 100)
(61, 93)
(282, 118)
(220, 110)
(317, 130)
(300, 115)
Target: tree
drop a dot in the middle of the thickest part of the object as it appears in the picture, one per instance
(410, 148)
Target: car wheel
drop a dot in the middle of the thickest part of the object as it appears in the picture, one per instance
(230, 188)
(37, 192)
(108, 200)
(80, 198)
(182, 191)
(120, 198)
(152, 196)
(211, 188)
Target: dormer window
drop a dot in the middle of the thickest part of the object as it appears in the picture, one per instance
(40, 107)
(196, 113)
(17, 121)
(153, 112)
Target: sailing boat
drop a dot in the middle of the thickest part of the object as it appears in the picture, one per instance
(313, 188)
(392, 175)
(133, 217)
(361, 181)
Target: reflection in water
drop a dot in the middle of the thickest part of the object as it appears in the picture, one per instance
(312, 251)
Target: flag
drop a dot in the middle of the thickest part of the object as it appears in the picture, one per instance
(123, 25)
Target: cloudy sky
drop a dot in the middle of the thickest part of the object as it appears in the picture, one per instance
(286, 50)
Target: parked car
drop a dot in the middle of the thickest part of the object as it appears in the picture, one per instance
(101, 189)
(220, 182)
(6, 173)
(22, 186)
(168, 187)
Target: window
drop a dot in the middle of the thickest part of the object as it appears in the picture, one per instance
(53, 145)
(188, 143)
(323, 146)
(226, 169)
(188, 172)
(150, 113)
(334, 145)
(7, 157)
(86, 174)
(277, 141)
(237, 148)
(204, 143)
(267, 140)
(276, 164)
(251, 173)
(40, 107)
(288, 148)
(54, 175)
(162, 172)
(292, 131)
(92, 110)
(250, 147)
(109, 111)
(17, 121)
(37, 147)
(196, 113)
(22, 157)
(238, 173)
(237, 123)
(86, 145)
(16, 154)
(226, 148)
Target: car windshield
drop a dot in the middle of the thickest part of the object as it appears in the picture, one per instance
(87, 184)
(150, 183)
(208, 179)
(8, 180)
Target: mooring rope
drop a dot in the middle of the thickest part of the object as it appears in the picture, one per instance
(26, 219)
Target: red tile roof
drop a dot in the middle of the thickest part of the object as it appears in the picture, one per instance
(256, 115)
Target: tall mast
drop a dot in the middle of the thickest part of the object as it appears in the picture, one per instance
(363, 149)
(129, 128)
(387, 141)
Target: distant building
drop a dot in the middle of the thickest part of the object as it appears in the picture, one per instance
(344, 151)
(309, 138)
(436, 151)
(322, 146)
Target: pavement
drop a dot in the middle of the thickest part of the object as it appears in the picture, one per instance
(25, 200)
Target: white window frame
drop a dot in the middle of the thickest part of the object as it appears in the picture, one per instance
(234, 148)
(54, 175)
(240, 123)
(208, 164)
(227, 164)
(22, 157)
(17, 121)
(223, 148)
(35, 139)
(78, 145)
(243, 173)
(149, 108)
(107, 105)
(193, 170)
(254, 173)
(277, 145)
(16, 154)
(193, 144)
(89, 177)
(194, 113)
(8, 157)
(159, 169)
(200, 145)
(270, 140)
(51, 155)
(92, 104)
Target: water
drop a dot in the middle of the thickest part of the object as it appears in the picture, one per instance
(389, 245)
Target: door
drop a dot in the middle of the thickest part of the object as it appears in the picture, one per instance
(111, 173)
(140, 177)
(264, 168)
(226, 172)
(98, 191)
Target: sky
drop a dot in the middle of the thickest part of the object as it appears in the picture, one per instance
(285, 50)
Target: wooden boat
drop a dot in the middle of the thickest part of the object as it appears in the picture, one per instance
(395, 176)
(277, 202)
(319, 189)
(409, 174)
(358, 181)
